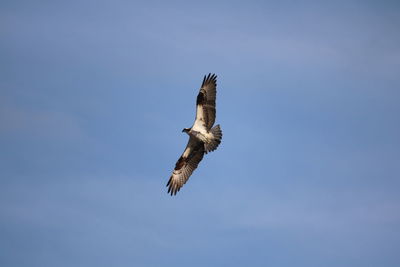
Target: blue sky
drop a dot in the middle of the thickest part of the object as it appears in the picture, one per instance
(93, 98)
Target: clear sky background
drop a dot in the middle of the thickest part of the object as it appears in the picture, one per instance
(93, 98)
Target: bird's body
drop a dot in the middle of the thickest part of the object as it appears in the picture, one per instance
(203, 137)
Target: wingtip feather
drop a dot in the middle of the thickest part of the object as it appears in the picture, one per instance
(209, 78)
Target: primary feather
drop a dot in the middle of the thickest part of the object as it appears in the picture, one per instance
(185, 165)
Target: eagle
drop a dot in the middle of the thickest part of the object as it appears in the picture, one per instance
(203, 137)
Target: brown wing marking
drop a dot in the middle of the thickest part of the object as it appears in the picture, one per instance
(206, 98)
(185, 165)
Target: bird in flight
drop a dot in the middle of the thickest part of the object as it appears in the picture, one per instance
(203, 137)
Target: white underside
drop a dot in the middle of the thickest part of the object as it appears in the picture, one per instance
(204, 135)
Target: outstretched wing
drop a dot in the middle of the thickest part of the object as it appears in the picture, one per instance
(205, 112)
(185, 165)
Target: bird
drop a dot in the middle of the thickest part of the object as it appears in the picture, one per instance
(203, 137)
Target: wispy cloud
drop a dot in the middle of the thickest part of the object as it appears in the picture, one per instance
(94, 95)
(39, 123)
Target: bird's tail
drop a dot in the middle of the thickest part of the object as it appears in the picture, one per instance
(214, 143)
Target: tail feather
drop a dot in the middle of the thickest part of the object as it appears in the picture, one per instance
(213, 145)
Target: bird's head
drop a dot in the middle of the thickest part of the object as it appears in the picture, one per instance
(186, 130)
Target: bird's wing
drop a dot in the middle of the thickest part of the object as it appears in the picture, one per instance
(185, 165)
(205, 111)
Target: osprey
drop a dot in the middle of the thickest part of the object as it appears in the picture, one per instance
(203, 137)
